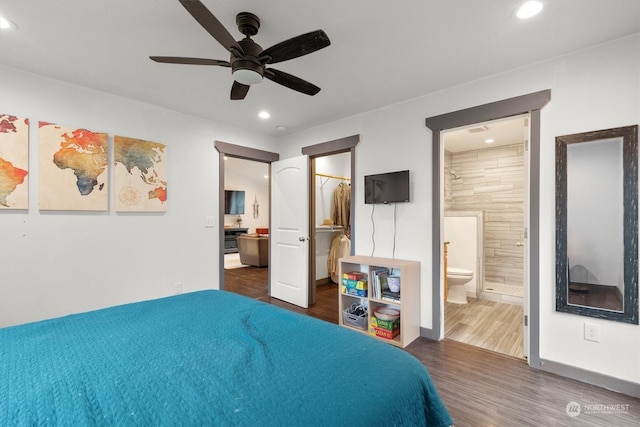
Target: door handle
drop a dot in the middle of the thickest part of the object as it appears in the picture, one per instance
(303, 239)
(519, 244)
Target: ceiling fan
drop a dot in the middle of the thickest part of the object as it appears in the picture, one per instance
(248, 60)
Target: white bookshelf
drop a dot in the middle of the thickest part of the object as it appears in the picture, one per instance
(409, 304)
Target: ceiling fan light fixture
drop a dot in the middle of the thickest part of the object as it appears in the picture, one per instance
(247, 59)
(247, 77)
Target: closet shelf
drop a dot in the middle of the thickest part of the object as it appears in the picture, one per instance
(342, 178)
(325, 228)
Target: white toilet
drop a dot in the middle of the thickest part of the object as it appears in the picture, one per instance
(456, 279)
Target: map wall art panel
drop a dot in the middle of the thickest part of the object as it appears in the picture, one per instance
(74, 172)
(14, 162)
(139, 175)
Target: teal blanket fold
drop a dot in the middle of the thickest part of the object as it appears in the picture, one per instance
(207, 358)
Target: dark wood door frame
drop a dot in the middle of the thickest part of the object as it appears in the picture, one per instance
(239, 151)
(336, 146)
(530, 103)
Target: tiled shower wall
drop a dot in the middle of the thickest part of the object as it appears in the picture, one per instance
(492, 181)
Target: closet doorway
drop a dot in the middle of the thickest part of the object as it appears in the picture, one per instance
(334, 162)
(330, 215)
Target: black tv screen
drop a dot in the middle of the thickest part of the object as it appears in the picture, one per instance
(233, 202)
(392, 187)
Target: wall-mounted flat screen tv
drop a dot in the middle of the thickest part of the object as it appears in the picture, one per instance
(233, 202)
(391, 187)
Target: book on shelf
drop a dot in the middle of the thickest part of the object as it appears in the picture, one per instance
(355, 275)
(379, 275)
(389, 295)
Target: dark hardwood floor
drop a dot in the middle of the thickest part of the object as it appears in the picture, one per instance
(590, 295)
(253, 282)
(479, 387)
(483, 388)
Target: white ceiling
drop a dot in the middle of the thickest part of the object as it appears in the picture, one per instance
(382, 52)
(248, 171)
(511, 130)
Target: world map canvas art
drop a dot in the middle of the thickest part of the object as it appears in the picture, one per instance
(139, 175)
(14, 162)
(73, 168)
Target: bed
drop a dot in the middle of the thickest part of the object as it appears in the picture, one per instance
(207, 358)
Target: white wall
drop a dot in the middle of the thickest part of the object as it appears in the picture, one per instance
(597, 88)
(56, 263)
(336, 165)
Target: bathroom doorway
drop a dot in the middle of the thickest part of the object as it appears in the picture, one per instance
(485, 176)
(532, 104)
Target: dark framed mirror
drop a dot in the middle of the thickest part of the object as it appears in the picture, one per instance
(597, 224)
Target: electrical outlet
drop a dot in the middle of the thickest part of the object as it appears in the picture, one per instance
(177, 287)
(591, 332)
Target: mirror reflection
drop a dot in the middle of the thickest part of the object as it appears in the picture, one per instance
(596, 220)
(595, 250)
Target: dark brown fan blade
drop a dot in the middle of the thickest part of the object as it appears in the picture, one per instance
(211, 24)
(190, 61)
(238, 90)
(295, 47)
(292, 82)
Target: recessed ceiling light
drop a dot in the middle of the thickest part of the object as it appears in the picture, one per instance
(529, 9)
(281, 128)
(489, 140)
(264, 115)
(6, 24)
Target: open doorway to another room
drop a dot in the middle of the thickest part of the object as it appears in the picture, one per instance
(246, 227)
(485, 191)
(531, 105)
(235, 279)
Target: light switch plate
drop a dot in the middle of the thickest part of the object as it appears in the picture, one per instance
(209, 221)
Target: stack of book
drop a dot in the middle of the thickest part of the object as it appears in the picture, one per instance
(388, 329)
(388, 295)
(354, 283)
(379, 286)
(378, 281)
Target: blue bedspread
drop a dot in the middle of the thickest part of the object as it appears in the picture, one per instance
(207, 358)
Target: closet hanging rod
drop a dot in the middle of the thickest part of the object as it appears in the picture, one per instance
(343, 178)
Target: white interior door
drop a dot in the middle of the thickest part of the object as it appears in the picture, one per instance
(289, 240)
